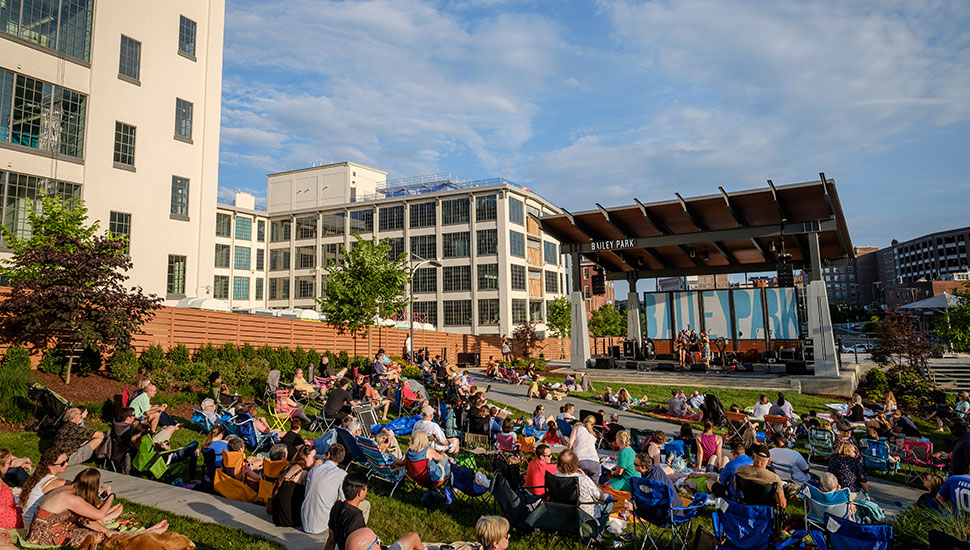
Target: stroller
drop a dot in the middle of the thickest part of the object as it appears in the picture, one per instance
(714, 410)
(48, 410)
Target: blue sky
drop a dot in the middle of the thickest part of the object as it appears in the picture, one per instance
(605, 101)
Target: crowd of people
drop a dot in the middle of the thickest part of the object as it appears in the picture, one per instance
(306, 484)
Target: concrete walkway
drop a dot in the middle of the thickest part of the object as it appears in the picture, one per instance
(251, 518)
(885, 493)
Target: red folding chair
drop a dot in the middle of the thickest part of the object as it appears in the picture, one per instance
(418, 474)
(919, 454)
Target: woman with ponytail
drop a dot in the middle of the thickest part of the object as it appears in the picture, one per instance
(42, 481)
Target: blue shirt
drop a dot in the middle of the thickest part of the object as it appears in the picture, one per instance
(727, 474)
(218, 447)
(957, 492)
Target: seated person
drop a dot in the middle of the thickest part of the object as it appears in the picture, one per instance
(645, 466)
(696, 400)
(655, 448)
(302, 387)
(388, 445)
(43, 480)
(535, 473)
(214, 440)
(932, 483)
(11, 516)
(529, 429)
(904, 425)
(237, 464)
(791, 459)
(608, 396)
(828, 483)
(492, 532)
(419, 448)
(323, 486)
(491, 368)
(350, 514)
(220, 392)
(292, 438)
(259, 423)
(370, 395)
(208, 408)
(286, 502)
(160, 423)
(18, 469)
(365, 539)
(71, 514)
(953, 493)
(848, 469)
(566, 412)
(595, 502)
(724, 487)
(78, 442)
(553, 436)
(292, 404)
(328, 373)
(434, 431)
(339, 401)
(676, 406)
(759, 473)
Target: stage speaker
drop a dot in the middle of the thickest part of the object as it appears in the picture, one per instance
(631, 365)
(796, 368)
(786, 354)
(615, 352)
(666, 366)
(786, 276)
(698, 367)
(604, 363)
(630, 349)
(469, 359)
(745, 367)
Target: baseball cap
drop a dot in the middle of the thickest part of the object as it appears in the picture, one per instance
(759, 450)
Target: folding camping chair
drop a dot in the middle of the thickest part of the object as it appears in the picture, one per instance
(818, 504)
(410, 398)
(737, 422)
(776, 424)
(876, 456)
(657, 503)
(280, 410)
(742, 527)
(272, 385)
(563, 512)
(468, 492)
(919, 454)
(418, 475)
(380, 465)
(821, 442)
(243, 424)
(639, 439)
(842, 534)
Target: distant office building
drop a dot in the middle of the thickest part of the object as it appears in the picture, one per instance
(921, 267)
(711, 282)
(498, 268)
(852, 285)
(119, 106)
(587, 270)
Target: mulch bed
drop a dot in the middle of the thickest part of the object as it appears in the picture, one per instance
(95, 388)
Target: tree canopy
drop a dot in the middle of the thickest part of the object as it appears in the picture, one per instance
(365, 284)
(559, 317)
(67, 285)
(954, 327)
(607, 321)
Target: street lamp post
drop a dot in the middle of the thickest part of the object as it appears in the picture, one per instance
(414, 270)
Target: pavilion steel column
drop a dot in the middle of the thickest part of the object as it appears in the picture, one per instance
(634, 331)
(819, 319)
(579, 330)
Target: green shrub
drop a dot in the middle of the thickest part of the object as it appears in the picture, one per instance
(913, 523)
(90, 361)
(230, 353)
(411, 372)
(53, 362)
(268, 354)
(313, 358)
(878, 384)
(300, 358)
(284, 361)
(153, 359)
(179, 355)
(162, 375)
(342, 360)
(14, 380)
(361, 363)
(206, 354)
(189, 375)
(248, 351)
(124, 366)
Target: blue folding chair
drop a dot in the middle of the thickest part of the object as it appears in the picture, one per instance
(876, 456)
(467, 491)
(743, 527)
(381, 465)
(675, 447)
(203, 421)
(819, 504)
(354, 454)
(658, 504)
(842, 534)
(245, 429)
(565, 428)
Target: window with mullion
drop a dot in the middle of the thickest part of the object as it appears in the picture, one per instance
(180, 198)
(222, 255)
(124, 149)
(487, 276)
(455, 211)
(242, 257)
(425, 280)
(425, 246)
(183, 118)
(424, 214)
(486, 208)
(187, 29)
(456, 245)
(456, 278)
(129, 63)
(517, 280)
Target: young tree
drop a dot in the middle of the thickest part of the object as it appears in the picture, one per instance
(607, 321)
(559, 318)
(364, 285)
(68, 285)
(524, 338)
(954, 328)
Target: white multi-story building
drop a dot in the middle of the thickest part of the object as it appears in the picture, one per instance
(497, 267)
(118, 102)
(240, 253)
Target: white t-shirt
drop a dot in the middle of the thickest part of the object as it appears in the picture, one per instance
(589, 493)
(433, 430)
(324, 486)
(760, 410)
(33, 499)
(585, 444)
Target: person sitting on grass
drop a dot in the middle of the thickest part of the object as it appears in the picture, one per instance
(289, 491)
(366, 539)
(69, 515)
(219, 392)
(553, 436)
(676, 406)
(710, 449)
(42, 480)
(932, 483)
(624, 470)
(492, 532)
(11, 516)
(73, 438)
(323, 489)
(350, 514)
(160, 423)
(18, 470)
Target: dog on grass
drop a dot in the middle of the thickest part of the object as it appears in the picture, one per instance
(140, 541)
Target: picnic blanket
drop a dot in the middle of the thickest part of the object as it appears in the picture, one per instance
(685, 418)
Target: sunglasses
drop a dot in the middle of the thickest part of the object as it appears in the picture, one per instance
(61, 463)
